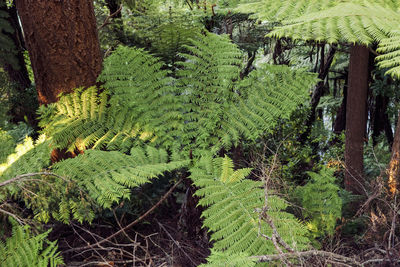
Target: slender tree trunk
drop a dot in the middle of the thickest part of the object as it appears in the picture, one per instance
(393, 170)
(380, 120)
(356, 118)
(324, 66)
(340, 121)
(17, 71)
(61, 37)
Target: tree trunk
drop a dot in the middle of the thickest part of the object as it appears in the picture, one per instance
(17, 72)
(380, 120)
(393, 170)
(340, 121)
(356, 118)
(325, 64)
(61, 37)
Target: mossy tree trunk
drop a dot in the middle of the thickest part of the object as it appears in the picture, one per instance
(356, 118)
(61, 37)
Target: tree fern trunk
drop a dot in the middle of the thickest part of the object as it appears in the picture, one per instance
(61, 37)
(356, 118)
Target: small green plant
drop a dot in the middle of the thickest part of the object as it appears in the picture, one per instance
(321, 202)
(23, 249)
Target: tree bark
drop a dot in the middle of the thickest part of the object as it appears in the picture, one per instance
(340, 121)
(393, 170)
(380, 120)
(356, 118)
(325, 64)
(61, 37)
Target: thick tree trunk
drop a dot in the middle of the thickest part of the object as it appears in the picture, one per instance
(393, 170)
(61, 37)
(356, 118)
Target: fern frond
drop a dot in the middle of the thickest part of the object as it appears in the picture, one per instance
(277, 11)
(29, 157)
(25, 250)
(231, 216)
(206, 83)
(390, 59)
(270, 92)
(321, 202)
(344, 22)
(109, 175)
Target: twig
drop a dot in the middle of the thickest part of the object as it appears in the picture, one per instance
(165, 196)
(177, 244)
(307, 254)
(19, 220)
(23, 176)
(107, 20)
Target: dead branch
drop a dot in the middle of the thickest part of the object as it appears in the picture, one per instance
(24, 176)
(107, 20)
(307, 254)
(98, 243)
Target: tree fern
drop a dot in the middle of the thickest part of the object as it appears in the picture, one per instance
(25, 250)
(109, 175)
(231, 215)
(360, 21)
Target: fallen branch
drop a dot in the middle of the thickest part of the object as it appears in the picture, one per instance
(23, 176)
(164, 197)
(307, 254)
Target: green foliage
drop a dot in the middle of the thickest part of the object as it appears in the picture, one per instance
(321, 202)
(362, 21)
(108, 175)
(270, 92)
(231, 215)
(7, 46)
(25, 250)
(85, 119)
(206, 81)
(206, 106)
(7, 145)
(29, 157)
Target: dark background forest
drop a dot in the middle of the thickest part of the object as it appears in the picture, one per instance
(196, 132)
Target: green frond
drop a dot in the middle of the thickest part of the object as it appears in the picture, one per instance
(231, 215)
(108, 176)
(26, 250)
(321, 202)
(29, 157)
(277, 11)
(390, 59)
(206, 83)
(270, 92)
(344, 22)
